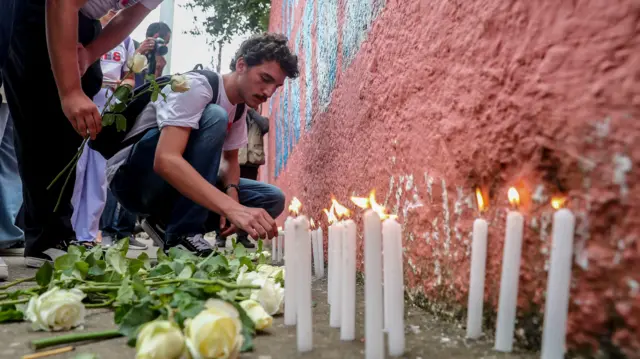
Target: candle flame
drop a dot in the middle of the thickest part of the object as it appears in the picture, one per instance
(279, 228)
(514, 197)
(340, 210)
(294, 207)
(361, 202)
(312, 223)
(370, 202)
(331, 218)
(480, 200)
(558, 202)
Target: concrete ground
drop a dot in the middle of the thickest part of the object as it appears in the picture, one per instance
(426, 337)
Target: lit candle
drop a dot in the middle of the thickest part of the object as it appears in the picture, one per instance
(393, 285)
(314, 247)
(281, 247)
(348, 276)
(558, 283)
(331, 262)
(476, 282)
(373, 311)
(335, 271)
(510, 275)
(291, 265)
(320, 249)
(304, 328)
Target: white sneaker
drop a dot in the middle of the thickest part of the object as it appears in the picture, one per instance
(4, 270)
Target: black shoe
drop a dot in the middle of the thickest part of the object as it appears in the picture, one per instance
(86, 244)
(195, 244)
(34, 259)
(155, 230)
(137, 229)
(246, 242)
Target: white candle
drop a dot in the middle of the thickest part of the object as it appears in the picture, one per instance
(281, 247)
(394, 285)
(336, 297)
(373, 331)
(509, 282)
(476, 282)
(348, 316)
(320, 249)
(304, 328)
(330, 254)
(290, 283)
(314, 249)
(558, 285)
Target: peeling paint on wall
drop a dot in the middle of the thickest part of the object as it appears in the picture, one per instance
(327, 50)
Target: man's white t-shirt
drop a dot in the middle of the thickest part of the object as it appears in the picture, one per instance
(96, 9)
(114, 62)
(185, 110)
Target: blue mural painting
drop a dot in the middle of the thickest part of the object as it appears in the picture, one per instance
(307, 43)
(358, 17)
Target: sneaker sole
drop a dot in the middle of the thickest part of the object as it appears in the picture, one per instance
(155, 237)
(35, 262)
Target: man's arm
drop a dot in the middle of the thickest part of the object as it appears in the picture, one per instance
(62, 38)
(117, 30)
(232, 174)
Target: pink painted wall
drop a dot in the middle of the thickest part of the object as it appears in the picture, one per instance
(438, 97)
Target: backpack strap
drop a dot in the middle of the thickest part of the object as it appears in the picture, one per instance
(214, 81)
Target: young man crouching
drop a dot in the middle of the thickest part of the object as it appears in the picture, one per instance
(171, 176)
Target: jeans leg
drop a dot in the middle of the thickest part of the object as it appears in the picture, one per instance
(142, 191)
(116, 221)
(11, 188)
(260, 195)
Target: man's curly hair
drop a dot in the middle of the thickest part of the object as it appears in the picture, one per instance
(268, 47)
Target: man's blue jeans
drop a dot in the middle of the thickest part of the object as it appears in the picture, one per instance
(11, 188)
(139, 189)
(116, 221)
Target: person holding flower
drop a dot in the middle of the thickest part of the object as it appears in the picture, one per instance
(171, 174)
(50, 78)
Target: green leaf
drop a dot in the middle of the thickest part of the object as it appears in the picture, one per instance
(137, 316)
(179, 254)
(177, 267)
(121, 122)
(121, 312)
(125, 292)
(150, 77)
(248, 328)
(96, 252)
(247, 262)
(240, 251)
(160, 270)
(76, 251)
(247, 345)
(64, 262)
(123, 92)
(118, 107)
(154, 95)
(262, 259)
(161, 256)
(139, 288)
(98, 268)
(82, 268)
(187, 272)
(260, 244)
(165, 290)
(108, 119)
(116, 261)
(122, 246)
(188, 310)
(44, 274)
(144, 257)
(11, 315)
(134, 266)
(213, 264)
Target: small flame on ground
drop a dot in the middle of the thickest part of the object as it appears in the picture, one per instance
(360, 202)
(558, 202)
(331, 218)
(279, 228)
(340, 210)
(294, 207)
(312, 223)
(514, 196)
(480, 200)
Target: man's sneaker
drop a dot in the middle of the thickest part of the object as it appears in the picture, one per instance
(17, 249)
(86, 244)
(155, 231)
(37, 259)
(4, 270)
(246, 242)
(135, 244)
(195, 244)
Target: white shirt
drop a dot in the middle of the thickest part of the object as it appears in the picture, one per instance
(96, 9)
(114, 62)
(185, 110)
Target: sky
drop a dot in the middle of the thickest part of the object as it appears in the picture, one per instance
(188, 50)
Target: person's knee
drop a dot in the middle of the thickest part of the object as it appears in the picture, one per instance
(277, 200)
(214, 116)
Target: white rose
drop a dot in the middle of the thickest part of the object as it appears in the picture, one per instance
(215, 333)
(258, 315)
(57, 309)
(179, 83)
(270, 271)
(160, 339)
(137, 64)
(247, 278)
(270, 295)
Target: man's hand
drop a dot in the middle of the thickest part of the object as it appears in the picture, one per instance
(255, 221)
(82, 113)
(147, 45)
